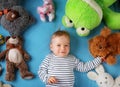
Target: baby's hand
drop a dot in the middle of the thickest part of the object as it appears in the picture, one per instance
(52, 80)
(103, 59)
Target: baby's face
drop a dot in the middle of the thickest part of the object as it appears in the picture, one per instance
(60, 46)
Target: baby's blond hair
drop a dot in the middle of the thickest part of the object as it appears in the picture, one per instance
(61, 33)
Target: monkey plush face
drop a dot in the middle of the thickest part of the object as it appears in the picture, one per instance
(13, 41)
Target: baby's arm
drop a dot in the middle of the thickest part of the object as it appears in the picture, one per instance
(85, 67)
(43, 70)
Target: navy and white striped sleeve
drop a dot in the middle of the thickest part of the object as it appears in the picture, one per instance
(85, 67)
(43, 69)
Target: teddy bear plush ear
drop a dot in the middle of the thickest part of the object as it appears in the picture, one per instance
(105, 32)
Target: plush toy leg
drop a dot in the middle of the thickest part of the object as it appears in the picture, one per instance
(24, 71)
(51, 16)
(10, 69)
(106, 3)
(42, 17)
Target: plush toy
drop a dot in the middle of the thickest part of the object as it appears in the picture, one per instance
(15, 57)
(103, 78)
(47, 10)
(2, 40)
(4, 85)
(86, 15)
(15, 18)
(0, 69)
(105, 45)
(117, 82)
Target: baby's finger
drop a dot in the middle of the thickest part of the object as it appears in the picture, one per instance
(54, 80)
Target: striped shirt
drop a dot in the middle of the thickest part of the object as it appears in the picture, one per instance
(63, 69)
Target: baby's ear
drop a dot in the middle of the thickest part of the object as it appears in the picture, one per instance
(92, 75)
(51, 46)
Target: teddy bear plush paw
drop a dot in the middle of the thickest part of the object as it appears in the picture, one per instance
(10, 77)
(27, 75)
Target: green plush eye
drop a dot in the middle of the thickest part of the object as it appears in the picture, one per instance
(81, 31)
(67, 22)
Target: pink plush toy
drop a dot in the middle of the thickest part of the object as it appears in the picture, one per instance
(46, 10)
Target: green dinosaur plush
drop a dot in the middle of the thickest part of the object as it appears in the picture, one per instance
(86, 15)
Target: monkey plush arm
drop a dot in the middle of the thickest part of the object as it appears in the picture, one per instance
(26, 55)
(2, 54)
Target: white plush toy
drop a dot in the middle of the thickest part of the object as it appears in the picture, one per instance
(46, 10)
(102, 78)
(117, 82)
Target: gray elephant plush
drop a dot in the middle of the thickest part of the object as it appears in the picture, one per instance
(13, 17)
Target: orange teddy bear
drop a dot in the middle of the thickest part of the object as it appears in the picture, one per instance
(105, 45)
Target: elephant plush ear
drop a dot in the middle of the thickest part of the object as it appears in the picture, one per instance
(105, 32)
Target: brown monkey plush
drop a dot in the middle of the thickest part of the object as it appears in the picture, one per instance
(15, 58)
(106, 45)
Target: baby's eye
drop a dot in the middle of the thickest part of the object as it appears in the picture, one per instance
(58, 45)
(66, 45)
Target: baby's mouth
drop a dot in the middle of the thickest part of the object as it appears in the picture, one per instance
(62, 52)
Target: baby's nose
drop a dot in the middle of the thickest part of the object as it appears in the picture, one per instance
(62, 47)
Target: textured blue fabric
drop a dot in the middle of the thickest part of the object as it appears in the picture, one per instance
(36, 43)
